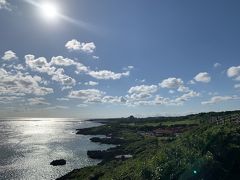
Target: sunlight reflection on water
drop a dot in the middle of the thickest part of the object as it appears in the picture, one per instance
(27, 146)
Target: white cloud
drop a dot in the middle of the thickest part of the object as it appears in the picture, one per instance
(9, 99)
(9, 55)
(91, 83)
(61, 61)
(128, 68)
(191, 82)
(81, 68)
(219, 99)
(140, 93)
(177, 101)
(88, 47)
(89, 95)
(62, 99)
(105, 74)
(64, 79)
(215, 65)
(114, 99)
(202, 77)
(19, 67)
(183, 89)
(187, 96)
(146, 89)
(75, 45)
(234, 71)
(237, 86)
(137, 97)
(57, 107)
(21, 84)
(4, 4)
(40, 64)
(37, 101)
(162, 101)
(171, 83)
(95, 57)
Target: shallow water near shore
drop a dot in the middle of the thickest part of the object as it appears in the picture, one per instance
(27, 146)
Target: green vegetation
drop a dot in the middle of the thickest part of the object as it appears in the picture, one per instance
(203, 151)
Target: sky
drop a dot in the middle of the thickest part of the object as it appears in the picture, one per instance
(97, 59)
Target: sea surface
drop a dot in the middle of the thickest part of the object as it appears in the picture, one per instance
(27, 146)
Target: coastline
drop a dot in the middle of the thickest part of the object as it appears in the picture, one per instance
(103, 155)
(148, 143)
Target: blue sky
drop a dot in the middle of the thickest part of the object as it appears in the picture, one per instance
(108, 58)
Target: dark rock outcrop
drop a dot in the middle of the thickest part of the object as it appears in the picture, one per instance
(105, 155)
(115, 141)
(58, 162)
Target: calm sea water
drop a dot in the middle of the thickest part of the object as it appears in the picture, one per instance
(27, 146)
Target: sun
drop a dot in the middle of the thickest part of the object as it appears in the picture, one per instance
(49, 10)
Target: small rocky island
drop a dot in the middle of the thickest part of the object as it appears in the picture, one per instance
(59, 162)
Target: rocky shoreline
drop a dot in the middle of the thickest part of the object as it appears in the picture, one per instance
(104, 155)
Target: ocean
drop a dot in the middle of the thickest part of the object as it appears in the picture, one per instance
(28, 145)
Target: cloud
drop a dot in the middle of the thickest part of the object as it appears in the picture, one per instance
(237, 86)
(4, 4)
(88, 47)
(57, 107)
(128, 68)
(234, 71)
(177, 101)
(19, 67)
(64, 79)
(95, 57)
(105, 74)
(183, 89)
(171, 83)
(161, 100)
(82, 105)
(216, 65)
(191, 82)
(202, 77)
(61, 61)
(37, 101)
(114, 99)
(80, 68)
(75, 45)
(88, 95)
(9, 99)
(40, 64)
(219, 99)
(91, 83)
(140, 93)
(187, 96)
(9, 55)
(21, 84)
(146, 89)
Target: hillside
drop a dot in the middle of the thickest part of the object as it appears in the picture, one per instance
(189, 147)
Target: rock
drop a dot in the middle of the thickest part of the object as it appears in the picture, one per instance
(111, 140)
(58, 162)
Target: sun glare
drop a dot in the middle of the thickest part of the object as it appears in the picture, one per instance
(49, 10)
